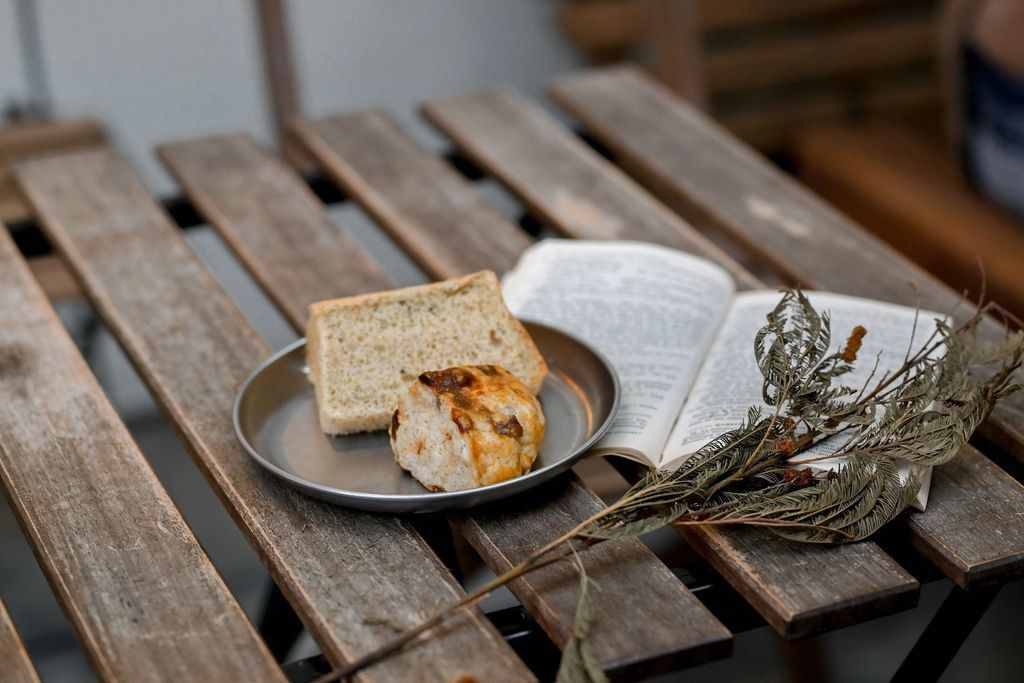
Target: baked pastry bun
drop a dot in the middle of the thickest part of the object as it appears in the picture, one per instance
(466, 426)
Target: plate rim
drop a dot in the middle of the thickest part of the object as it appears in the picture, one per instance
(432, 500)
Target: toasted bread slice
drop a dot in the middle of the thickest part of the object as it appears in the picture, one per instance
(364, 351)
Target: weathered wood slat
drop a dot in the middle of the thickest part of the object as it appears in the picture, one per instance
(434, 213)
(382, 167)
(17, 666)
(562, 181)
(645, 620)
(23, 140)
(266, 213)
(145, 599)
(353, 578)
(718, 183)
(798, 590)
(972, 529)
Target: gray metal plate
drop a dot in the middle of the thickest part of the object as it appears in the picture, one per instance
(276, 421)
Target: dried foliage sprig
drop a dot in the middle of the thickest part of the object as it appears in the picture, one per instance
(923, 412)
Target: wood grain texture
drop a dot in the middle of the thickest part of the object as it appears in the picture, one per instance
(273, 223)
(972, 529)
(804, 590)
(642, 589)
(715, 181)
(645, 621)
(17, 666)
(519, 144)
(144, 598)
(562, 181)
(420, 200)
(355, 579)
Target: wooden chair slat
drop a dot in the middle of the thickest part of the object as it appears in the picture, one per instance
(718, 183)
(17, 666)
(721, 14)
(771, 125)
(906, 190)
(604, 26)
(788, 59)
(799, 590)
(145, 599)
(272, 216)
(355, 579)
(412, 194)
(636, 587)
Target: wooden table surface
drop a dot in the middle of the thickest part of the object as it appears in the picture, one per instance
(138, 588)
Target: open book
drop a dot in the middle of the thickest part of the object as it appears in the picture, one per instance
(682, 339)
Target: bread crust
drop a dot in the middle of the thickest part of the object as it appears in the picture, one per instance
(375, 414)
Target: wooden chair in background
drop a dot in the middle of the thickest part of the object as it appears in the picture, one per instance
(764, 68)
(847, 93)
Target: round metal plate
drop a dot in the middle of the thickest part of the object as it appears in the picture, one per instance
(276, 421)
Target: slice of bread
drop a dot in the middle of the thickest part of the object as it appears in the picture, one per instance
(364, 351)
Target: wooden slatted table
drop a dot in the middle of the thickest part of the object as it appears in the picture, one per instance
(640, 589)
(146, 601)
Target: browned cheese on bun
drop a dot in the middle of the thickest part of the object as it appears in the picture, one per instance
(466, 426)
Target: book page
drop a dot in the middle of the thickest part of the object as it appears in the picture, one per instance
(730, 382)
(652, 311)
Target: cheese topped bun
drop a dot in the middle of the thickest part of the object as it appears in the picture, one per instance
(466, 426)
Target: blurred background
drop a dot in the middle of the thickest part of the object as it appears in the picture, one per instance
(907, 115)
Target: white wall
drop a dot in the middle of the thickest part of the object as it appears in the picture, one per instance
(398, 53)
(11, 82)
(154, 71)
